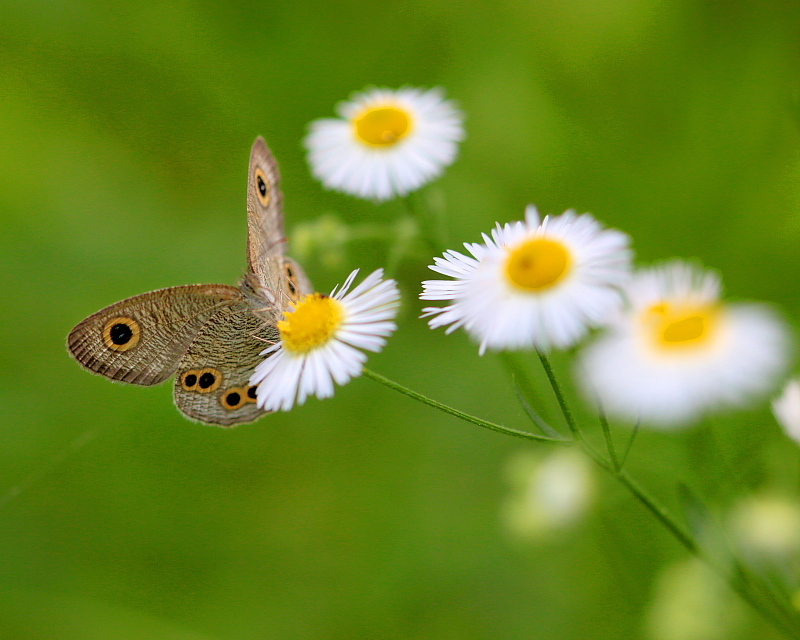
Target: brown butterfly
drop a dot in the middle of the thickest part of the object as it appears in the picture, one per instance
(211, 335)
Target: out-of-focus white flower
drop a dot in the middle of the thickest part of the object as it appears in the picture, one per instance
(692, 603)
(549, 493)
(767, 526)
(786, 408)
(386, 143)
(322, 341)
(678, 351)
(537, 283)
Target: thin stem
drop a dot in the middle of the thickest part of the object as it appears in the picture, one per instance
(519, 374)
(612, 452)
(630, 444)
(661, 514)
(749, 587)
(562, 402)
(565, 410)
(544, 427)
(744, 585)
(455, 412)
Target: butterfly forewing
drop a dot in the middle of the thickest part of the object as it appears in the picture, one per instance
(277, 278)
(141, 340)
(265, 234)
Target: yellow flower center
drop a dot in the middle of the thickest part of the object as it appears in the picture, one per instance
(313, 323)
(674, 327)
(538, 264)
(382, 127)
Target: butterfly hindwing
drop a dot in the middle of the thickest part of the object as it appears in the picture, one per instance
(140, 340)
(212, 382)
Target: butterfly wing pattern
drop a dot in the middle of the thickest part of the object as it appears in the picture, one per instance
(211, 336)
(142, 339)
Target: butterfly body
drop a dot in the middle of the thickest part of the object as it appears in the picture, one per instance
(209, 336)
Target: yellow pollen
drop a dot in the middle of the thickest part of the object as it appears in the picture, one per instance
(538, 264)
(311, 324)
(681, 326)
(382, 127)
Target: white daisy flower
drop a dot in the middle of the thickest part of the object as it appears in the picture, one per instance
(677, 350)
(786, 409)
(386, 143)
(532, 284)
(320, 341)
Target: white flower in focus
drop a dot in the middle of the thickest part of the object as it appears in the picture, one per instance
(532, 284)
(786, 409)
(549, 492)
(386, 143)
(678, 351)
(320, 341)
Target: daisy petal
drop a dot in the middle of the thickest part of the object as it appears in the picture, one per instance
(531, 283)
(386, 144)
(323, 339)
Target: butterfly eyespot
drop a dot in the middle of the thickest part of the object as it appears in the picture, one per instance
(121, 333)
(262, 188)
(251, 393)
(291, 282)
(208, 380)
(189, 380)
(233, 398)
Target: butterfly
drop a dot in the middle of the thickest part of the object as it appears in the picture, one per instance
(210, 336)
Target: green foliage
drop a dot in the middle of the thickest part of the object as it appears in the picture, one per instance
(125, 132)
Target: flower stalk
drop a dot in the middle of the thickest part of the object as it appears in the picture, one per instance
(516, 433)
(746, 584)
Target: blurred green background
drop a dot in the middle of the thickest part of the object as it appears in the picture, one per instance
(125, 130)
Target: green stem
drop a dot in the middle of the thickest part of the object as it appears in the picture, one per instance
(612, 451)
(749, 587)
(744, 585)
(630, 444)
(661, 514)
(455, 412)
(562, 402)
(519, 374)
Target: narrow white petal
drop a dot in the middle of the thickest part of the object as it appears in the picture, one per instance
(343, 163)
(286, 379)
(635, 379)
(500, 315)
